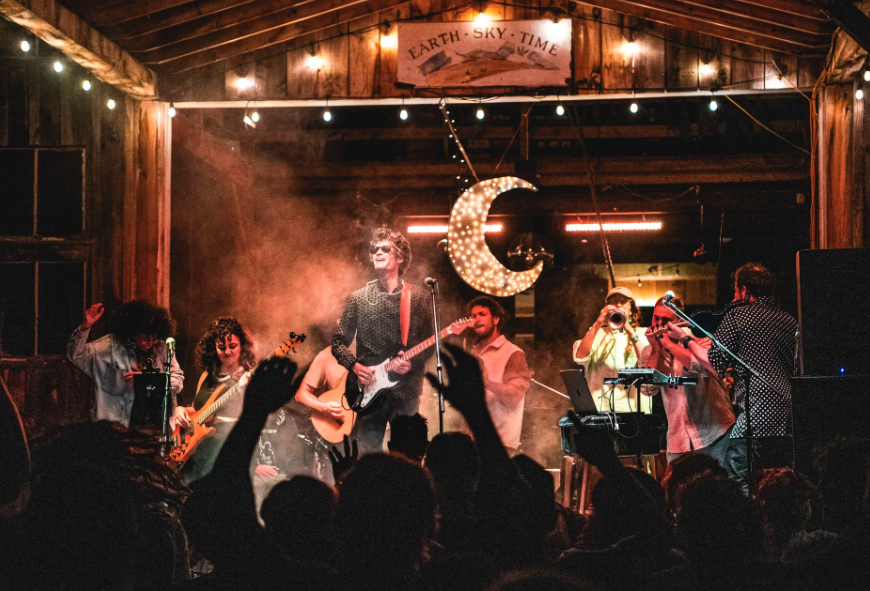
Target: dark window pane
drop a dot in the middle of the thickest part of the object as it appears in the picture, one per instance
(61, 301)
(59, 193)
(16, 192)
(16, 309)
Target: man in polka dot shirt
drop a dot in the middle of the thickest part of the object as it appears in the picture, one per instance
(765, 337)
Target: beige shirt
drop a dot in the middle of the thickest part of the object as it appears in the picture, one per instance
(610, 352)
(505, 363)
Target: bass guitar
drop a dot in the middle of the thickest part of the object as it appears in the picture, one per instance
(361, 397)
(184, 440)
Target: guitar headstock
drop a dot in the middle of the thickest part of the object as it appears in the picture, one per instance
(288, 347)
(460, 325)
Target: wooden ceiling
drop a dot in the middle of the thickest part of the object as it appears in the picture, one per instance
(173, 36)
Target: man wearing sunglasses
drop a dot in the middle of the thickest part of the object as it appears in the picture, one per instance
(373, 316)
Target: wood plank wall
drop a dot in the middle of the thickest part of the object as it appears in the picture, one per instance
(125, 242)
(356, 66)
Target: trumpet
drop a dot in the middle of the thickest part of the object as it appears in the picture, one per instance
(665, 329)
(616, 319)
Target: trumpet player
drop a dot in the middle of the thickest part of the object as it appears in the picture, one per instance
(613, 342)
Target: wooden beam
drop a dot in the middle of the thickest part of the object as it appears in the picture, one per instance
(675, 18)
(800, 7)
(240, 19)
(820, 26)
(177, 15)
(119, 11)
(849, 17)
(256, 41)
(62, 29)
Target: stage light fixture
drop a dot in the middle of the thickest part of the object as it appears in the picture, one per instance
(86, 84)
(480, 114)
(633, 108)
(25, 46)
(560, 110)
(442, 229)
(172, 111)
(713, 105)
(615, 227)
(58, 66)
(111, 104)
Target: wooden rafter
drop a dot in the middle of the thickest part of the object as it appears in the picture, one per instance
(674, 13)
(228, 25)
(119, 11)
(800, 7)
(281, 34)
(765, 14)
(176, 15)
(62, 29)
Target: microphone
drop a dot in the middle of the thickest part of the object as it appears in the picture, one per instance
(431, 281)
(669, 295)
(170, 350)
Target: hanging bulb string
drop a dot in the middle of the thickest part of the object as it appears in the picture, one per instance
(763, 126)
(443, 109)
(510, 143)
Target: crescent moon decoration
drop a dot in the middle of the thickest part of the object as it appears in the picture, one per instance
(470, 255)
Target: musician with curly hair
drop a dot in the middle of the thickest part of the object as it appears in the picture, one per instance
(138, 336)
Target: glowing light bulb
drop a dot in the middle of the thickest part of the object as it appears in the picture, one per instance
(111, 104)
(705, 70)
(403, 115)
(314, 62)
(389, 42)
(25, 46)
(714, 105)
(327, 116)
(633, 107)
(244, 83)
(172, 111)
(86, 84)
(859, 94)
(58, 67)
(480, 114)
(560, 110)
(630, 48)
(255, 116)
(866, 72)
(481, 17)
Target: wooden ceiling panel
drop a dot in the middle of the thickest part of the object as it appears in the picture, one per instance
(120, 11)
(765, 14)
(158, 21)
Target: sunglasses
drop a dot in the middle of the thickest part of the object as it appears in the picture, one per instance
(383, 248)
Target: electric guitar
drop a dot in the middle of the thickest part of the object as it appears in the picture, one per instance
(184, 440)
(361, 397)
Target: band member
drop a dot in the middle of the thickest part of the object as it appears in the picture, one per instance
(323, 374)
(138, 333)
(506, 375)
(604, 350)
(226, 354)
(765, 337)
(700, 416)
(372, 315)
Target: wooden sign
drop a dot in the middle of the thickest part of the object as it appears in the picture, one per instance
(495, 53)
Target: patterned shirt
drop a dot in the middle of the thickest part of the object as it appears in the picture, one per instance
(765, 338)
(372, 315)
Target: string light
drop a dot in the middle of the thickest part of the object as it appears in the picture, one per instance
(172, 111)
(481, 17)
(866, 72)
(480, 114)
(705, 70)
(633, 108)
(244, 83)
(327, 116)
(403, 115)
(111, 104)
(560, 110)
(58, 67)
(25, 46)
(630, 48)
(713, 105)
(859, 94)
(255, 116)
(389, 42)
(639, 282)
(86, 84)
(314, 62)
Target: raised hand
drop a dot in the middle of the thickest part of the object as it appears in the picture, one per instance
(465, 389)
(270, 387)
(342, 463)
(92, 314)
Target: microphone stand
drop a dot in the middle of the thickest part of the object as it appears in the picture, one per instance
(165, 431)
(746, 399)
(438, 366)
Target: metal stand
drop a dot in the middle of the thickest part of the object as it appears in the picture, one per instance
(434, 286)
(750, 447)
(166, 430)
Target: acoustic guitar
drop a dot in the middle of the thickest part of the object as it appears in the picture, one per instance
(184, 440)
(333, 429)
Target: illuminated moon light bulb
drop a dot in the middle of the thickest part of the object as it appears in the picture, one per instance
(58, 67)
(86, 84)
(560, 110)
(633, 107)
(480, 114)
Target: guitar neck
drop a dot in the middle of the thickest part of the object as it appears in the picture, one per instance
(217, 404)
(417, 349)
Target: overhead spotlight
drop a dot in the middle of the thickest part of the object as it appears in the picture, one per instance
(859, 94)
(172, 111)
(630, 48)
(389, 42)
(25, 46)
(481, 17)
(866, 72)
(705, 70)
(58, 66)
(560, 110)
(327, 116)
(111, 104)
(244, 83)
(314, 62)
(713, 105)
(255, 116)
(480, 114)
(86, 84)
(403, 115)
(633, 107)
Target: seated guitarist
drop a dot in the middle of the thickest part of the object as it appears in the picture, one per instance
(372, 315)
(226, 356)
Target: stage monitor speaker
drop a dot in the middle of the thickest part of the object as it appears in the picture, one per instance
(833, 311)
(826, 408)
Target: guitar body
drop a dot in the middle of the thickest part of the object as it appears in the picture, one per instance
(185, 440)
(329, 427)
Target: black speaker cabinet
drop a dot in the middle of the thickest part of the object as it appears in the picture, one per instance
(833, 311)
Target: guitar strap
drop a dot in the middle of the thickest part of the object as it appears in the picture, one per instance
(405, 313)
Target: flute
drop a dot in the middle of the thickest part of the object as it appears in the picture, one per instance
(660, 331)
